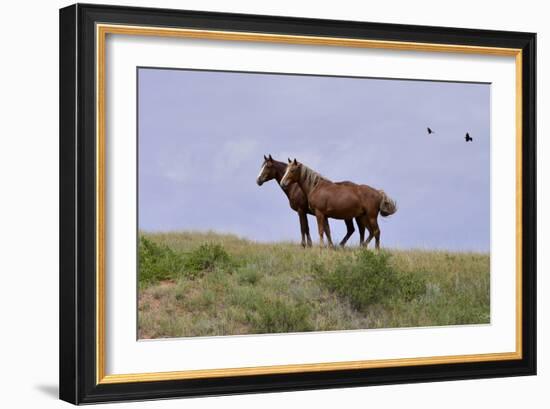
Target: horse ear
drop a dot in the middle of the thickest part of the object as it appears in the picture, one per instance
(295, 161)
(265, 158)
(270, 158)
(289, 161)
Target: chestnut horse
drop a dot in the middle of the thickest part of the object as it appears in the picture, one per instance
(339, 201)
(272, 169)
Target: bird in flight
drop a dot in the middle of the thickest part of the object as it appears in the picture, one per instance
(468, 138)
(430, 131)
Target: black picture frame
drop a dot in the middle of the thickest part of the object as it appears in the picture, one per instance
(78, 360)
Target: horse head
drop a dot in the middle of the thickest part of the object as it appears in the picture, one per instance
(267, 171)
(292, 173)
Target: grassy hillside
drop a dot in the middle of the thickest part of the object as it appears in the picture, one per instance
(198, 284)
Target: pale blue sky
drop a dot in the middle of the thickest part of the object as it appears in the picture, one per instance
(203, 134)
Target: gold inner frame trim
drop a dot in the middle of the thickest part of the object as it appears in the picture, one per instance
(101, 32)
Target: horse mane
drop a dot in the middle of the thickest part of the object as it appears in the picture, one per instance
(310, 177)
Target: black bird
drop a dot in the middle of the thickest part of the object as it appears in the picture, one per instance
(430, 131)
(468, 137)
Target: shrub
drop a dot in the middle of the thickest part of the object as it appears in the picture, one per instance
(410, 286)
(206, 257)
(249, 274)
(369, 279)
(157, 262)
(277, 316)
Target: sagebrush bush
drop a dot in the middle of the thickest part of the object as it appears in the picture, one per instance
(206, 257)
(369, 279)
(410, 286)
(248, 275)
(278, 316)
(157, 262)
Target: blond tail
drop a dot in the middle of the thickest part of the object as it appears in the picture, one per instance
(387, 205)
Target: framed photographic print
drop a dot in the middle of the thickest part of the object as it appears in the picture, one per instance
(258, 203)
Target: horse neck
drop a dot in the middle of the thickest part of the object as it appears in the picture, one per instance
(305, 182)
(280, 169)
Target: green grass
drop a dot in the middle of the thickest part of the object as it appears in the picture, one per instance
(203, 284)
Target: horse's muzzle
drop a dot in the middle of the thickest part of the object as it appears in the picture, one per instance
(259, 182)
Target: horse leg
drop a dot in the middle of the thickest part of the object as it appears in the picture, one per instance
(309, 243)
(376, 233)
(327, 232)
(371, 232)
(303, 226)
(361, 227)
(321, 226)
(349, 225)
(306, 230)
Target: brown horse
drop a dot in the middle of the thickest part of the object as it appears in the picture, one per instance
(340, 201)
(272, 169)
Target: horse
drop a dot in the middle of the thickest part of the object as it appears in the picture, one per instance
(273, 169)
(340, 201)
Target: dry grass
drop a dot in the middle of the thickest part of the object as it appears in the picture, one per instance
(269, 288)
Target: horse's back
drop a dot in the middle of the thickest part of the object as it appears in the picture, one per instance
(369, 191)
(346, 183)
(337, 200)
(370, 199)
